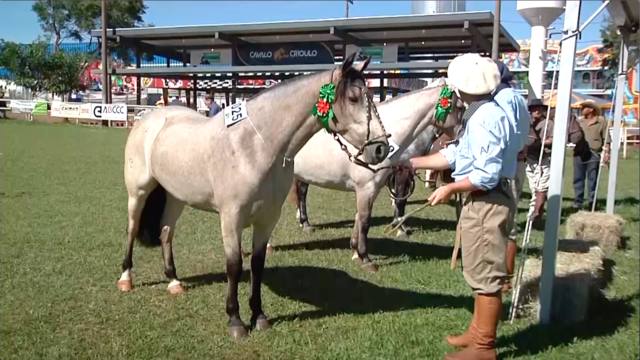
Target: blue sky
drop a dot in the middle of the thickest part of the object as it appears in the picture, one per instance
(20, 24)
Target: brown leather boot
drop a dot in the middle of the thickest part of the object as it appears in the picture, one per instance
(483, 345)
(464, 339)
(512, 251)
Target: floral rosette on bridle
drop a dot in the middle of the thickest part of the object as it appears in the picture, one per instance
(444, 105)
(323, 109)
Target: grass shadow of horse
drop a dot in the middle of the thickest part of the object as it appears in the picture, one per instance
(414, 222)
(334, 292)
(385, 248)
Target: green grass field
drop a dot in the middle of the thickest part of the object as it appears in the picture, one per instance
(62, 231)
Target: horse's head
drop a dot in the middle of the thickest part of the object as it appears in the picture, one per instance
(356, 117)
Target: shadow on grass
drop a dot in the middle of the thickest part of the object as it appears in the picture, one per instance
(335, 292)
(379, 247)
(415, 221)
(605, 318)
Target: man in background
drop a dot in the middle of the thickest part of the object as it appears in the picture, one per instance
(214, 108)
(586, 163)
(538, 174)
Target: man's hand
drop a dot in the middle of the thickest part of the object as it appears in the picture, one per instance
(440, 196)
(606, 157)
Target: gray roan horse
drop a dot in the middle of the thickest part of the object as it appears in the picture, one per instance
(174, 156)
(409, 119)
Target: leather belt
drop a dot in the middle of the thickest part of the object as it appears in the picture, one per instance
(503, 186)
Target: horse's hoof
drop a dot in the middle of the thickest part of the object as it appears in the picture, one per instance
(355, 256)
(125, 285)
(370, 266)
(238, 332)
(308, 228)
(402, 234)
(176, 288)
(262, 323)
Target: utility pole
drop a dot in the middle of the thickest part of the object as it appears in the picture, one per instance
(346, 7)
(106, 86)
(496, 32)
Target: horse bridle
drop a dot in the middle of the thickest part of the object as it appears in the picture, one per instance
(356, 158)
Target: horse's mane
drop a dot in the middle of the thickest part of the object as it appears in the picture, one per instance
(345, 82)
(282, 84)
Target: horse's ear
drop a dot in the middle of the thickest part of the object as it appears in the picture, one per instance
(363, 65)
(348, 62)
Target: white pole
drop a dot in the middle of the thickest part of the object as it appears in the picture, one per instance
(617, 122)
(565, 85)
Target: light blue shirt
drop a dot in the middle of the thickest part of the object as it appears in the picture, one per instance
(480, 152)
(517, 112)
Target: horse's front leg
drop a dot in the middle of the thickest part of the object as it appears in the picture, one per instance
(231, 237)
(261, 233)
(364, 203)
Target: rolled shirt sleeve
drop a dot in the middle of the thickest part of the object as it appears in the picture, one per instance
(449, 153)
(486, 145)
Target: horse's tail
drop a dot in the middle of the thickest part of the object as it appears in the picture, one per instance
(149, 230)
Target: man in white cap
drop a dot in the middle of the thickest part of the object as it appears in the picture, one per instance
(482, 171)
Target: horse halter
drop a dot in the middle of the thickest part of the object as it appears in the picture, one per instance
(371, 107)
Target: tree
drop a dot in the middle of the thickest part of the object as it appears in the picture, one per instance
(73, 19)
(36, 68)
(611, 41)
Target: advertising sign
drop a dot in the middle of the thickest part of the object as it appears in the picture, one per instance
(283, 54)
(40, 108)
(25, 106)
(211, 57)
(376, 53)
(62, 109)
(104, 111)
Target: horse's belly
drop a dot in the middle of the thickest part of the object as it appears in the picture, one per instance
(326, 178)
(180, 165)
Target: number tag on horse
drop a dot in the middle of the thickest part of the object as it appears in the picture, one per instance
(393, 148)
(235, 113)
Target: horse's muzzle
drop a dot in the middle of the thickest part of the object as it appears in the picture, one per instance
(375, 152)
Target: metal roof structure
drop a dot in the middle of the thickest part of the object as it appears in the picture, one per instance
(425, 43)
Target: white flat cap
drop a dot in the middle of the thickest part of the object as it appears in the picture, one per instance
(473, 74)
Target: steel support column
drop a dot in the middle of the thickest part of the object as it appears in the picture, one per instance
(565, 85)
(617, 122)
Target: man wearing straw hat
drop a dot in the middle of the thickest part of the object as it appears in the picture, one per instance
(586, 163)
(481, 171)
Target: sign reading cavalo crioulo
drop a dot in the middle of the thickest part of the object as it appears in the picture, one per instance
(283, 54)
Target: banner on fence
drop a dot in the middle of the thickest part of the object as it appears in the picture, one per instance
(62, 109)
(103, 111)
(40, 108)
(24, 106)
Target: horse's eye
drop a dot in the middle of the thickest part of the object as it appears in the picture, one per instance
(353, 99)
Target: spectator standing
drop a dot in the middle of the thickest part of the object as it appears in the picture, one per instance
(538, 175)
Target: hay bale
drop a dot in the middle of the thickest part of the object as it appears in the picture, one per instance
(604, 228)
(579, 277)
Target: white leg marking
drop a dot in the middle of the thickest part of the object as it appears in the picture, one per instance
(126, 275)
